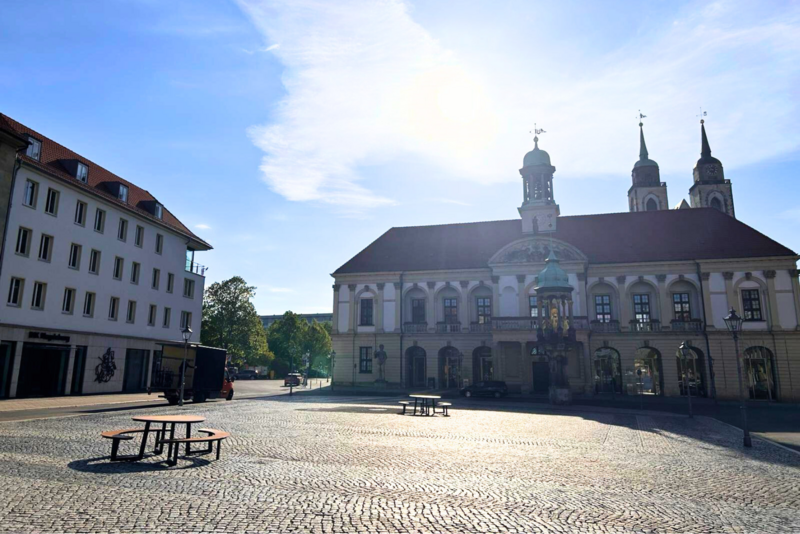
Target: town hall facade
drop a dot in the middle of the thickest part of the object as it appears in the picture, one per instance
(461, 303)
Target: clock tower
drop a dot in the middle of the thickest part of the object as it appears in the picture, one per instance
(647, 192)
(539, 210)
(710, 188)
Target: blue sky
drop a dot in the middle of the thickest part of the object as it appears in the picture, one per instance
(292, 134)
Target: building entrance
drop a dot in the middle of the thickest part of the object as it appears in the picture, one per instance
(415, 356)
(135, 378)
(6, 367)
(43, 370)
(541, 377)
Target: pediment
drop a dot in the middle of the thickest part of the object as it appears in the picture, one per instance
(535, 250)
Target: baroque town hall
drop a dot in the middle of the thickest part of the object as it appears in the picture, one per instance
(458, 303)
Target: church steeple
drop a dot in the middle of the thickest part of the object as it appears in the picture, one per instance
(539, 209)
(647, 193)
(710, 188)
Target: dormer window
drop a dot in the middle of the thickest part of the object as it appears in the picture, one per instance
(122, 194)
(158, 211)
(34, 149)
(82, 173)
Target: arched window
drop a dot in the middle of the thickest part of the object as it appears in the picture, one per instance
(691, 373)
(607, 371)
(416, 366)
(760, 372)
(482, 364)
(716, 203)
(646, 373)
(651, 205)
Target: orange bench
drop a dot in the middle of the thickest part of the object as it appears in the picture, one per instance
(213, 436)
(121, 435)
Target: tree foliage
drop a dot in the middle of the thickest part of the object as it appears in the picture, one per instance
(230, 321)
(291, 338)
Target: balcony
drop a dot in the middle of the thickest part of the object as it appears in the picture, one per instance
(415, 328)
(480, 328)
(695, 325)
(607, 328)
(195, 268)
(448, 328)
(515, 323)
(645, 326)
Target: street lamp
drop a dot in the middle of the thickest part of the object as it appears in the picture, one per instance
(187, 334)
(685, 351)
(734, 324)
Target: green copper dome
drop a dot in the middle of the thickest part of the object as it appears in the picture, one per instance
(553, 277)
(536, 156)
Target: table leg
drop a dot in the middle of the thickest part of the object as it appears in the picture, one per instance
(160, 435)
(433, 403)
(188, 435)
(171, 437)
(144, 440)
(415, 407)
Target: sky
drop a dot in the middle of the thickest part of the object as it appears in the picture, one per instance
(291, 134)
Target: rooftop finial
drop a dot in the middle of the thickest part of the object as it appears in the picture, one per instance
(702, 114)
(642, 145)
(641, 117)
(536, 131)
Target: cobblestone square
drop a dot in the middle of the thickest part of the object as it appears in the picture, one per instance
(332, 464)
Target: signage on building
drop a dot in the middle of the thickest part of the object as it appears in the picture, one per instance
(48, 337)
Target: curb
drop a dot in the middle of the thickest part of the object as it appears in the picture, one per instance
(752, 436)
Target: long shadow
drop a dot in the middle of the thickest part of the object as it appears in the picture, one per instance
(103, 466)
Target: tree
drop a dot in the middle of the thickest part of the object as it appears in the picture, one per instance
(230, 321)
(291, 338)
(317, 344)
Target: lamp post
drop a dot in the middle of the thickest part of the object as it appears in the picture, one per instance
(187, 334)
(734, 324)
(685, 350)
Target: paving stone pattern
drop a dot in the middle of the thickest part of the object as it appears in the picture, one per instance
(354, 465)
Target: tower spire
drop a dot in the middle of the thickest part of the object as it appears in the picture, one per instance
(705, 150)
(642, 146)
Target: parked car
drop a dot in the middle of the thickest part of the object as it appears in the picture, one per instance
(487, 388)
(293, 379)
(247, 374)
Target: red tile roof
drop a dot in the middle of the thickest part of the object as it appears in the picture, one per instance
(52, 154)
(650, 236)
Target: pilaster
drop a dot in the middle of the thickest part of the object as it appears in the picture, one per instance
(794, 273)
(430, 313)
(625, 311)
(379, 310)
(464, 311)
(351, 324)
(398, 299)
(496, 296)
(335, 325)
(709, 311)
(521, 304)
(774, 313)
(665, 315)
(732, 301)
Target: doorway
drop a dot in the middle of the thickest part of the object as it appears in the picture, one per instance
(541, 377)
(6, 367)
(449, 368)
(760, 373)
(415, 356)
(42, 370)
(78, 371)
(135, 377)
(482, 364)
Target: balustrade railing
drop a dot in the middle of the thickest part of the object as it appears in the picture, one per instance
(448, 328)
(611, 326)
(695, 325)
(480, 328)
(415, 328)
(645, 326)
(515, 323)
(196, 268)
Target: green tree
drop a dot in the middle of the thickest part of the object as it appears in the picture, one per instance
(291, 338)
(230, 321)
(317, 344)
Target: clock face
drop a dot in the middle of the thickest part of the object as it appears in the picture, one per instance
(712, 170)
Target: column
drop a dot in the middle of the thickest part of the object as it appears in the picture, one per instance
(774, 314)
(379, 310)
(351, 324)
(398, 296)
(732, 300)
(335, 325)
(625, 314)
(430, 313)
(665, 312)
(522, 305)
(464, 313)
(794, 273)
(707, 299)
(496, 296)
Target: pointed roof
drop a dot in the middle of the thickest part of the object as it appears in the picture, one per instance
(644, 161)
(553, 277)
(682, 205)
(705, 148)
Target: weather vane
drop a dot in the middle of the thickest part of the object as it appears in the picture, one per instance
(641, 117)
(702, 114)
(536, 131)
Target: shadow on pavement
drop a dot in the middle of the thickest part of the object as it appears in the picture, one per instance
(103, 466)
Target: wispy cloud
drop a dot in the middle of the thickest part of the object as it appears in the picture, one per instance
(366, 84)
(271, 289)
(202, 226)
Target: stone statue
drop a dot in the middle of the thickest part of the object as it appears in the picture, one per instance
(380, 355)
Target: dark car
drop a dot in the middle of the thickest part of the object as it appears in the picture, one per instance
(247, 374)
(293, 379)
(487, 388)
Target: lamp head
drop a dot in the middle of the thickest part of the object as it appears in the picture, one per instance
(187, 333)
(684, 348)
(733, 322)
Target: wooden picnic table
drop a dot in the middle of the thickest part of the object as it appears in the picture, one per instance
(428, 401)
(165, 420)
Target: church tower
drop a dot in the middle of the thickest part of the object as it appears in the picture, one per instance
(648, 192)
(539, 210)
(710, 188)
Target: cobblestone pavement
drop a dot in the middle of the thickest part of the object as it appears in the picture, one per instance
(329, 464)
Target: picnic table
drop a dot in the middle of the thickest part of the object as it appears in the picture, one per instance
(165, 420)
(428, 406)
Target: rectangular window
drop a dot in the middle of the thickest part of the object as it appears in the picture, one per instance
(188, 288)
(158, 211)
(80, 213)
(94, 261)
(751, 304)
(34, 149)
(122, 231)
(366, 313)
(113, 308)
(68, 304)
(118, 266)
(15, 292)
(122, 194)
(365, 359)
(99, 220)
(186, 319)
(88, 305)
(167, 313)
(418, 311)
(51, 204)
(151, 315)
(602, 308)
(130, 316)
(82, 173)
(484, 305)
(75, 256)
(31, 193)
(533, 304)
(170, 282)
(681, 306)
(135, 272)
(451, 311)
(24, 241)
(641, 308)
(156, 278)
(159, 243)
(138, 238)
(39, 291)
(45, 247)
